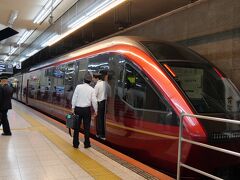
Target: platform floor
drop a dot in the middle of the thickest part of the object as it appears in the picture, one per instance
(39, 149)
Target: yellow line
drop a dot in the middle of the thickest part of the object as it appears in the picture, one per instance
(141, 131)
(92, 167)
(20, 129)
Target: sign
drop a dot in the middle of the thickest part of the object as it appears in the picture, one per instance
(19, 66)
(6, 68)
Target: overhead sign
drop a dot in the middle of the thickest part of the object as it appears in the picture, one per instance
(6, 68)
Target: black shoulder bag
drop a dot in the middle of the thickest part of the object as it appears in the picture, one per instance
(72, 122)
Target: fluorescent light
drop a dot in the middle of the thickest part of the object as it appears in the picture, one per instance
(6, 58)
(52, 38)
(45, 11)
(13, 50)
(89, 19)
(77, 22)
(94, 10)
(102, 5)
(42, 17)
(13, 16)
(25, 35)
(32, 53)
(22, 59)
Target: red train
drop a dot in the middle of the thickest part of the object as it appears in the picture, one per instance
(151, 83)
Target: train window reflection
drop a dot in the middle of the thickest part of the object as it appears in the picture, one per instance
(69, 83)
(82, 69)
(138, 93)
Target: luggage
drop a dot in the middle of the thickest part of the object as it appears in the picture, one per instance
(72, 122)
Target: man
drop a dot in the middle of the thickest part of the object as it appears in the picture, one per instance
(101, 94)
(6, 104)
(83, 97)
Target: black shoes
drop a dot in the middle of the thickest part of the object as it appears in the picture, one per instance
(6, 134)
(103, 138)
(100, 137)
(87, 146)
(76, 147)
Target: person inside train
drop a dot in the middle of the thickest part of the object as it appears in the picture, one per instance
(101, 91)
(69, 95)
(83, 97)
(5, 105)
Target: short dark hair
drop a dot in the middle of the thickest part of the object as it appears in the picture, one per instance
(3, 77)
(86, 81)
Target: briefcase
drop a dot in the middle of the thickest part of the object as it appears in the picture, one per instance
(72, 121)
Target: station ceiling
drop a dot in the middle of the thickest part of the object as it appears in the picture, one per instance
(19, 15)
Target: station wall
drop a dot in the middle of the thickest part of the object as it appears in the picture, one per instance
(210, 27)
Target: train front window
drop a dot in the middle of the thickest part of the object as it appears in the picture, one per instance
(204, 86)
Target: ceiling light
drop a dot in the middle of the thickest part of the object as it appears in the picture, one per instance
(25, 35)
(51, 38)
(12, 51)
(77, 22)
(98, 12)
(22, 59)
(88, 15)
(32, 53)
(45, 11)
(6, 58)
(13, 16)
(99, 7)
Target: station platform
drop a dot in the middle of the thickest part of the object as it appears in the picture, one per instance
(41, 148)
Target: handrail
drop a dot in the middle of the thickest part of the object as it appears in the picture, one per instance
(181, 139)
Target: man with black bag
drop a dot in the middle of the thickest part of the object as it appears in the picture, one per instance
(83, 97)
(5, 105)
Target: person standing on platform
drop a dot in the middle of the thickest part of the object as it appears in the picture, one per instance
(83, 97)
(101, 94)
(6, 104)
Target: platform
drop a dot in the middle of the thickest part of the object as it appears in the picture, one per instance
(41, 148)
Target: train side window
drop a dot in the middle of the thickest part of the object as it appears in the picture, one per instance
(116, 68)
(138, 93)
(57, 85)
(98, 63)
(82, 69)
(69, 83)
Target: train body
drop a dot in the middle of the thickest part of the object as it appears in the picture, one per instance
(151, 84)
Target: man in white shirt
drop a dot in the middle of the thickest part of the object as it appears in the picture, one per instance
(83, 97)
(101, 94)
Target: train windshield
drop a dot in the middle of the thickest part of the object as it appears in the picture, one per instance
(206, 88)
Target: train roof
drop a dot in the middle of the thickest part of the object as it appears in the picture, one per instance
(127, 40)
(136, 41)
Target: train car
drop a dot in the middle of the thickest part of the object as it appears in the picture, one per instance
(151, 84)
(16, 83)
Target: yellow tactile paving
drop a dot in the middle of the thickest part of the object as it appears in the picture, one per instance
(92, 167)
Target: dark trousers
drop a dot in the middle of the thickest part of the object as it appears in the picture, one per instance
(84, 114)
(5, 123)
(101, 118)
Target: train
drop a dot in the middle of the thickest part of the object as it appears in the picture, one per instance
(152, 83)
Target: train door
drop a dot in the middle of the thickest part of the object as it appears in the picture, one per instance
(143, 120)
(69, 83)
(27, 91)
(97, 64)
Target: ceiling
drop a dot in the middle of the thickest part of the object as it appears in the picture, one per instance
(128, 14)
(27, 11)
